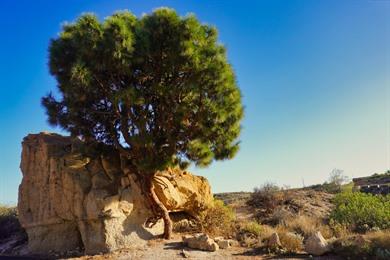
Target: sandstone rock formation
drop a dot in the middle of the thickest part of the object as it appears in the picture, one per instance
(68, 200)
(182, 191)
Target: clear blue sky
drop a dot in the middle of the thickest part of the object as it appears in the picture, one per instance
(314, 77)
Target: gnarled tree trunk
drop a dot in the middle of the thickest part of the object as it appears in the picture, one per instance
(163, 211)
(158, 208)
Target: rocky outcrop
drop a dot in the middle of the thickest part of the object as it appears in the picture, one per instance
(181, 191)
(68, 200)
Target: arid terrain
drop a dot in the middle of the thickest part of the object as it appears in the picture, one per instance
(73, 204)
(305, 201)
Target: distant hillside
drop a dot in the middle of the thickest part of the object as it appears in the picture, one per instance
(309, 202)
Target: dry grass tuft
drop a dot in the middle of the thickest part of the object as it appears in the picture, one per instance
(218, 220)
(306, 226)
(253, 234)
(379, 239)
(339, 230)
(251, 227)
(291, 242)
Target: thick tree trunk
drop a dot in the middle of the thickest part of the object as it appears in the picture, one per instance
(157, 207)
(164, 212)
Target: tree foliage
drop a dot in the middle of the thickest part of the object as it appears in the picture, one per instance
(158, 88)
(337, 177)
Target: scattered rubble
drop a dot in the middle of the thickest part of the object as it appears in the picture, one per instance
(200, 241)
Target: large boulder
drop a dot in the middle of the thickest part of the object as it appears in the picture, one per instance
(68, 200)
(317, 245)
(181, 191)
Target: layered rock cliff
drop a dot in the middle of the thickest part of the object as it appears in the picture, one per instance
(69, 201)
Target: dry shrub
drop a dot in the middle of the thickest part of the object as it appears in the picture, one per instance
(351, 246)
(249, 233)
(265, 199)
(252, 234)
(326, 231)
(218, 220)
(279, 216)
(373, 245)
(339, 230)
(291, 242)
(306, 226)
(379, 239)
(266, 232)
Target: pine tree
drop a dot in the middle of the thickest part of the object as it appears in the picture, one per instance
(158, 89)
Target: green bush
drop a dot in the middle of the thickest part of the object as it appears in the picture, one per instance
(252, 227)
(361, 211)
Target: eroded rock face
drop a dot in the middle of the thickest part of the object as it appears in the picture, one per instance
(67, 200)
(182, 191)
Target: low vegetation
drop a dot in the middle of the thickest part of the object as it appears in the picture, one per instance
(265, 199)
(355, 223)
(361, 211)
(9, 223)
(218, 220)
(307, 226)
(292, 242)
(373, 245)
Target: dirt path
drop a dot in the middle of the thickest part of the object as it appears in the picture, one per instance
(173, 249)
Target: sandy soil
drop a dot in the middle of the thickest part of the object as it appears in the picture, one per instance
(174, 249)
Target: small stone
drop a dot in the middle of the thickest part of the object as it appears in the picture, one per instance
(233, 242)
(223, 244)
(216, 239)
(274, 241)
(185, 254)
(185, 238)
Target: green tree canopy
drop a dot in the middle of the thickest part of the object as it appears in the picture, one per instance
(159, 88)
